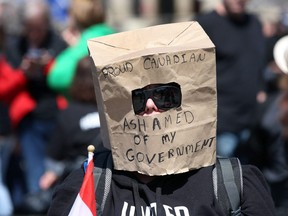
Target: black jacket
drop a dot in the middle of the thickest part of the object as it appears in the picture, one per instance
(240, 58)
(186, 194)
(77, 126)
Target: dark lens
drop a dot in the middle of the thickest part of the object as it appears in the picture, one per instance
(138, 101)
(167, 97)
(159, 93)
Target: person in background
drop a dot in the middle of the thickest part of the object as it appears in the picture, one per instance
(87, 20)
(6, 145)
(11, 82)
(273, 29)
(240, 57)
(77, 126)
(7, 139)
(267, 128)
(275, 134)
(12, 95)
(33, 105)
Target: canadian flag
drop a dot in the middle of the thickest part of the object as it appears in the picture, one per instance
(85, 202)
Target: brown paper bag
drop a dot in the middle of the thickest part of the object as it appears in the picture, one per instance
(174, 141)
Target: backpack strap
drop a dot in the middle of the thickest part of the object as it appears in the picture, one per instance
(102, 179)
(102, 173)
(228, 185)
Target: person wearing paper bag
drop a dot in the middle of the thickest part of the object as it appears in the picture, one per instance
(160, 126)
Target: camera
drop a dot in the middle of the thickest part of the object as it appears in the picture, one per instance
(34, 53)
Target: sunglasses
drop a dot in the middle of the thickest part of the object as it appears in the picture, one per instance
(165, 97)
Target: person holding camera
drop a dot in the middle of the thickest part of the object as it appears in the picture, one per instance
(32, 53)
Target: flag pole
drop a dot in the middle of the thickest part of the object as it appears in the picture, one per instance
(91, 149)
(85, 202)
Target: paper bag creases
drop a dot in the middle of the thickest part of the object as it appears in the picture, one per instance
(174, 141)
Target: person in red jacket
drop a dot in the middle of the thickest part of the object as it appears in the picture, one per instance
(14, 93)
(32, 104)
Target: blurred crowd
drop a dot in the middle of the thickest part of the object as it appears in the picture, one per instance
(48, 110)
